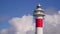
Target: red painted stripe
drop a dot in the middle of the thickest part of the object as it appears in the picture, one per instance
(39, 22)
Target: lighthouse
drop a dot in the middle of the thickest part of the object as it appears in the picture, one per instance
(39, 17)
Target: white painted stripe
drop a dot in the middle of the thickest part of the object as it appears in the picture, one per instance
(39, 17)
(39, 9)
(39, 30)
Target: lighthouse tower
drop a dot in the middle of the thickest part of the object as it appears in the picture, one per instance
(39, 16)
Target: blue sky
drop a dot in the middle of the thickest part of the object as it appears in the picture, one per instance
(18, 8)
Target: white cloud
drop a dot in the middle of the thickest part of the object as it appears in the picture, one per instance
(59, 12)
(25, 25)
(4, 31)
(52, 23)
(53, 19)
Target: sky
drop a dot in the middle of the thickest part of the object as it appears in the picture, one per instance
(14, 14)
